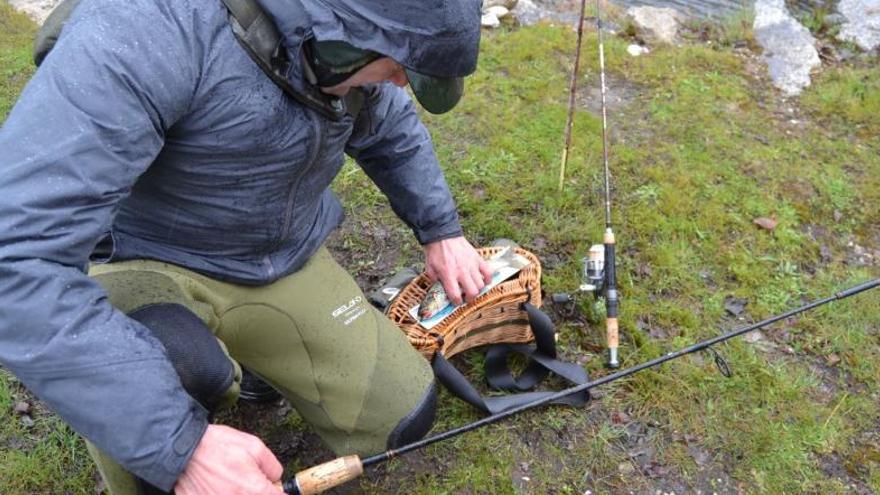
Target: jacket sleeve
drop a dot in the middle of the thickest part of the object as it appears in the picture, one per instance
(394, 148)
(90, 121)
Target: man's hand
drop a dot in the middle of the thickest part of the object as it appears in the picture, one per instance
(458, 266)
(230, 462)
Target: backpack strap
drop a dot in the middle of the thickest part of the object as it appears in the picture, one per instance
(48, 33)
(260, 38)
(542, 360)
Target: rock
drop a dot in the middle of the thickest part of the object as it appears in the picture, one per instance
(861, 22)
(490, 21)
(625, 468)
(843, 54)
(735, 306)
(38, 10)
(508, 4)
(788, 46)
(659, 22)
(27, 421)
(636, 50)
(497, 10)
(700, 456)
(834, 19)
(21, 408)
(528, 12)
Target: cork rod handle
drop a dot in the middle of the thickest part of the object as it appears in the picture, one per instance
(325, 476)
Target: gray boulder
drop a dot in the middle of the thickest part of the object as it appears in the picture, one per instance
(789, 48)
(660, 23)
(508, 4)
(38, 10)
(861, 22)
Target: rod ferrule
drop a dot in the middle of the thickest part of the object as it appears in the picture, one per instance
(612, 358)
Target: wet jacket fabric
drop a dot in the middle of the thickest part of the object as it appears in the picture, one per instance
(149, 129)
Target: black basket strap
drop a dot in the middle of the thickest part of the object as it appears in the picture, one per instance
(542, 360)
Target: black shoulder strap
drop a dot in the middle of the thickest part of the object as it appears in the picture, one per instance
(48, 33)
(542, 360)
(260, 38)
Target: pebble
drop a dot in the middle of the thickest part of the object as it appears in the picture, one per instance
(498, 11)
(490, 21)
(21, 408)
(636, 50)
(660, 22)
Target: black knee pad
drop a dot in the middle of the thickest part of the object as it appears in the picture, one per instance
(205, 371)
(417, 423)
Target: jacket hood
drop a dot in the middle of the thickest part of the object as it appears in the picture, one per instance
(438, 38)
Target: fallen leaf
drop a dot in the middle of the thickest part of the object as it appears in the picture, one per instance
(766, 223)
(619, 418)
(832, 359)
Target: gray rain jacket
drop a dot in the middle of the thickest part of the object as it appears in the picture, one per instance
(149, 126)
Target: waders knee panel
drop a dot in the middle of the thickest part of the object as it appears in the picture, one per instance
(416, 424)
(205, 371)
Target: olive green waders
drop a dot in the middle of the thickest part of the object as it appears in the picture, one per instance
(349, 371)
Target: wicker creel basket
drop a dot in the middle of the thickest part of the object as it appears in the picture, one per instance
(496, 317)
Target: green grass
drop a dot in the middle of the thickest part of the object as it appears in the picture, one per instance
(46, 457)
(16, 37)
(702, 149)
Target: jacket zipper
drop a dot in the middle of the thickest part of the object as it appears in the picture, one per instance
(317, 129)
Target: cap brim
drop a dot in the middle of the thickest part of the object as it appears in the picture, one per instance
(437, 95)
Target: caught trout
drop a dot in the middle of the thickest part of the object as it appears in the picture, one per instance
(504, 265)
(434, 301)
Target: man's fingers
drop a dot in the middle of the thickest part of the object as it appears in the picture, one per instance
(266, 461)
(486, 271)
(453, 292)
(468, 286)
(477, 280)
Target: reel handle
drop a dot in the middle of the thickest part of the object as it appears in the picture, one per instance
(323, 477)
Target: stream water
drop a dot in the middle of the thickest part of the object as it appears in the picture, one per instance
(716, 8)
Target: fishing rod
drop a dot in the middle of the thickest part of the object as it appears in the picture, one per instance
(599, 274)
(572, 90)
(328, 475)
(610, 263)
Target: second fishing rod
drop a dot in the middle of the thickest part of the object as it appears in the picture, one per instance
(599, 274)
(322, 477)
